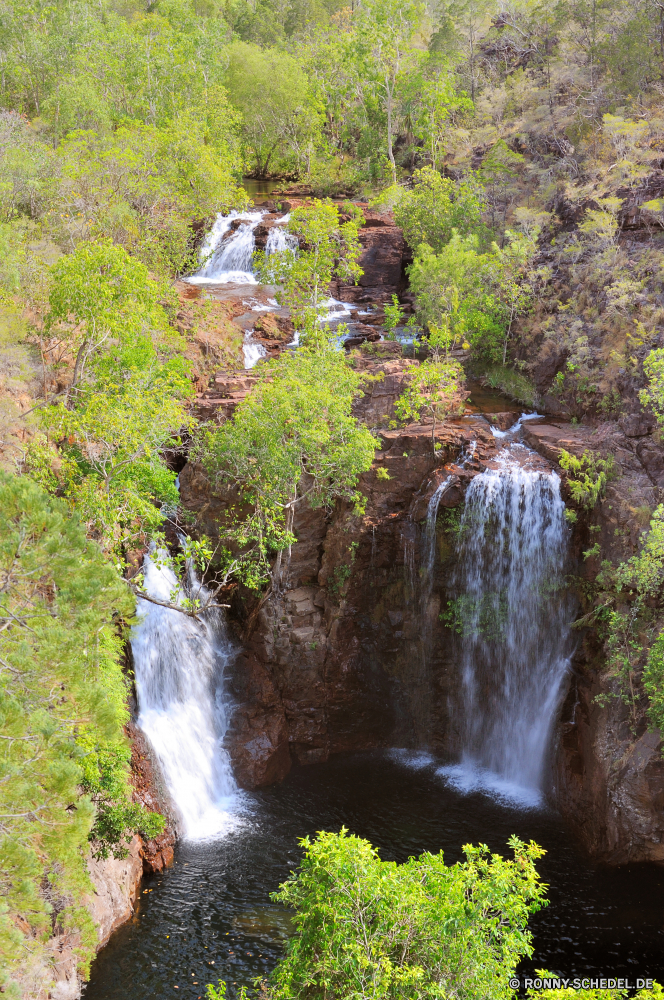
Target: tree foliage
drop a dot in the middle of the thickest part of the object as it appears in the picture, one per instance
(366, 927)
(330, 248)
(437, 207)
(62, 709)
(292, 441)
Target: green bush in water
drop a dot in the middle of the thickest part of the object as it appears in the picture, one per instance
(372, 928)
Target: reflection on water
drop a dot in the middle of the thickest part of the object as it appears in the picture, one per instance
(258, 188)
(210, 916)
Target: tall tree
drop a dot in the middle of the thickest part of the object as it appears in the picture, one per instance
(385, 32)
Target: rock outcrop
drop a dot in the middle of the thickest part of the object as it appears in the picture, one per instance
(383, 262)
(334, 662)
(609, 769)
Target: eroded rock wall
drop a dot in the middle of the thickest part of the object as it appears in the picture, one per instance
(609, 769)
(339, 660)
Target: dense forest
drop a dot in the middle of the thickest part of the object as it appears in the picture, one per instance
(514, 144)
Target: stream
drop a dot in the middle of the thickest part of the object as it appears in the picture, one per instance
(210, 916)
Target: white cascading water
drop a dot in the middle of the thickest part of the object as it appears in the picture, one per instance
(278, 239)
(179, 665)
(515, 649)
(228, 258)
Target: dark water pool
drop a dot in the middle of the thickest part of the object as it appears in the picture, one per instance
(210, 917)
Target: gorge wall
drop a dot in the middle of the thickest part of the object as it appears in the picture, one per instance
(353, 654)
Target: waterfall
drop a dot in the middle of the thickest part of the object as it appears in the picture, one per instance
(279, 240)
(179, 665)
(229, 258)
(513, 617)
(429, 546)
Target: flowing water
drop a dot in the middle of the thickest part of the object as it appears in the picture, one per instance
(226, 258)
(210, 916)
(514, 616)
(179, 665)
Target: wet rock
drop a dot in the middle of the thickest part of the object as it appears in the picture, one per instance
(323, 668)
(503, 421)
(151, 792)
(116, 884)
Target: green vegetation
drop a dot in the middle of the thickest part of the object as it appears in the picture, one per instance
(586, 476)
(472, 617)
(293, 440)
(590, 993)
(64, 761)
(331, 249)
(367, 927)
(433, 390)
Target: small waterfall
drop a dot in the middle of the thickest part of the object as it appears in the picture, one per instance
(229, 258)
(513, 616)
(179, 666)
(278, 239)
(429, 545)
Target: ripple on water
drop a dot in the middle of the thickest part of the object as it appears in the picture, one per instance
(210, 915)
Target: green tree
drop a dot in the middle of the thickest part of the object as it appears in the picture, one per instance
(62, 709)
(454, 292)
(434, 388)
(653, 394)
(100, 295)
(293, 441)
(470, 18)
(509, 267)
(436, 207)
(439, 102)
(366, 927)
(331, 248)
(278, 109)
(111, 442)
(385, 30)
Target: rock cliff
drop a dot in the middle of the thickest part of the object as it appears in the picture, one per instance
(609, 769)
(352, 653)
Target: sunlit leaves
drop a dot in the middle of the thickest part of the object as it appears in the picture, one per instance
(366, 927)
(62, 699)
(292, 441)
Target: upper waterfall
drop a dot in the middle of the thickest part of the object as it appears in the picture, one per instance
(514, 618)
(179, 665)
(227, 257)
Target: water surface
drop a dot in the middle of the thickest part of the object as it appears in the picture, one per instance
(210, 916)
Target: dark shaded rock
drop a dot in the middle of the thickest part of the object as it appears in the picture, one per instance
(503, 421)
(610, 782)
(150, 791)
(383, 260)
(637, 424)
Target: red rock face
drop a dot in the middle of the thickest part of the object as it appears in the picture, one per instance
(351, 657)
(150, 791)
(335, 661)
(383, 261)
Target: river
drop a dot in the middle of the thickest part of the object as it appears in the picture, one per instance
(210, 914)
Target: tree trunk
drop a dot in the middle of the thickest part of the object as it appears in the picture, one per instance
(390, 153)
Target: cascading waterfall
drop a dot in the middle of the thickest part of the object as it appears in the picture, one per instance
(514, 617)
(179, 666)
(278, 239)
(229, 258)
